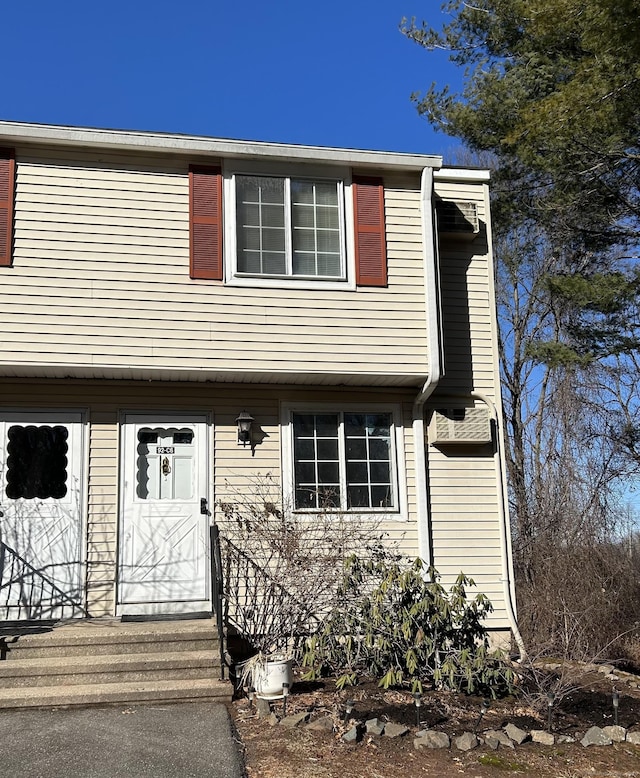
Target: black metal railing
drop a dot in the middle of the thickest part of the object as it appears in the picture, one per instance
(249, 603)
(217, 586)
(256, 604)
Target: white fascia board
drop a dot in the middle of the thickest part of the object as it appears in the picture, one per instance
(194, 145)
(477, 175)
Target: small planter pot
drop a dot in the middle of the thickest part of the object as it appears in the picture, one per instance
(268, 675)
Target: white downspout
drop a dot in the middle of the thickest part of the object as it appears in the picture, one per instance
(434, 359)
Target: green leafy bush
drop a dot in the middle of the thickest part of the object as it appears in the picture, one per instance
(403, 628)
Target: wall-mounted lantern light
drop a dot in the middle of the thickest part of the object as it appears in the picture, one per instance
(244, 422)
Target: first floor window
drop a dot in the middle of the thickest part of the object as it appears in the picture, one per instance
(343, 460)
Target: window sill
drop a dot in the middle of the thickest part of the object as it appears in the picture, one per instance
(374, 514)
(288, 282)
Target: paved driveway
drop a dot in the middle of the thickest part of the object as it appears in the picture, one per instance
(164, 741)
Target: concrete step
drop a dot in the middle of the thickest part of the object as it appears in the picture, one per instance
(96, 637)
(109, 668)
(115, 693)
(106, 661)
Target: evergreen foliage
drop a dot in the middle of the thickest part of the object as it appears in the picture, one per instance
(551, 102)
(552, 91)
(395, 625)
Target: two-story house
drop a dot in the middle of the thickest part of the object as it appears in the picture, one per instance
(158, 289)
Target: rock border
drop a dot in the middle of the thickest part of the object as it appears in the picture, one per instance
(509, 736)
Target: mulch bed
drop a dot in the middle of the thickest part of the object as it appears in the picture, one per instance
(271, 751)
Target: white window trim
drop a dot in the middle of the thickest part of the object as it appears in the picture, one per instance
(314, 172)
(398, 464)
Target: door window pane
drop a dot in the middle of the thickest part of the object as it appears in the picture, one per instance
(182, 478)
(165, 464)
(37, 462)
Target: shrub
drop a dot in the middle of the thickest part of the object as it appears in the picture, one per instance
(579, 600)
(403, 628)
(282, 568)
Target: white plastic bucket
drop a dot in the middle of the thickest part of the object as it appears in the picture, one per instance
(268, 678)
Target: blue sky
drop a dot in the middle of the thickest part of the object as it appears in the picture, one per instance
(334, 73)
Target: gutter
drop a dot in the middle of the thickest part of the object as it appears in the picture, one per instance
(434, 359)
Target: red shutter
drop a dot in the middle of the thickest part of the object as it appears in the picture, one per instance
(371, 250)
(205, 222)
(7, 184)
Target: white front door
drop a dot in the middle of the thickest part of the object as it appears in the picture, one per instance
(164, 532)
(41, 528)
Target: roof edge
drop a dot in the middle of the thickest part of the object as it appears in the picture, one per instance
(462, 174)
(137, 140)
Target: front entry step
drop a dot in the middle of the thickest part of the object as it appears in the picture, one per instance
(110, 693)
(96, 662)
(109, 668)
(96, 636)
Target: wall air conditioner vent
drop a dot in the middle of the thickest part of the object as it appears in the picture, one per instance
(458, 218)
(469, 426)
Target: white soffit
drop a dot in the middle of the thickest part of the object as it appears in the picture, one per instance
(138, 373)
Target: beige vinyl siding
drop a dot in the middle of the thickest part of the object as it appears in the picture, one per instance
(469, 331)
(463, 481)
(233, 469)
(468, 303)
(102, 512)
(101, 281)
(465, 521)
(101, 278)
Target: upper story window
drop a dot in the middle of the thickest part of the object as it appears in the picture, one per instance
(314, 227)
(289, 227)
(288, 230)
